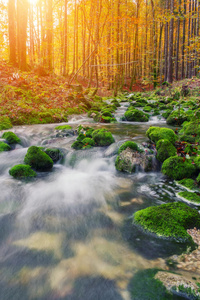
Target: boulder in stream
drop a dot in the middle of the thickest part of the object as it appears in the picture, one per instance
(38, 159)
(11, 138)
(22, 171)
(4, 147)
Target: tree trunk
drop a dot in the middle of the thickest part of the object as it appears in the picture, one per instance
(12, 31)
(170, 54)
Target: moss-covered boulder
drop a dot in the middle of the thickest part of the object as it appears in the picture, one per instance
(168, 220)
(5, 123)
(86, 131)
(190, 132)
(188, 183)
(77, 145)
(11, 138)
(165, 149)
(177, 117)
(38, 159)
(133, 159)
(129, 144)
(147, 108)
(4, 147)
(54, 153)
(190, 197)
(158, 133)
(22, 171)
(63, 127)
(102, 137)
(136, 115)
(88, 143)
(177, 168)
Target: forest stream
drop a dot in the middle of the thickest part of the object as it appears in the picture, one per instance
(68, 233)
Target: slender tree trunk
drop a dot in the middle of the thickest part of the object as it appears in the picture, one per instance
(183, 44)
(166, 41)
(12, 31)
(170, 54)
(177, 44)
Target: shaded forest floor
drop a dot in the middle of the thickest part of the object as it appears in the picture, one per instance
(29, 98)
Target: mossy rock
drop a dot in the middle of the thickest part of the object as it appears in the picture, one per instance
(147, 108)
(157, 133)
(54, 153)
(156, 112)
(190, 132)
(197, 161)
(106, 113)
(104, 119)
(189, 183)
(22, 171)
(166, 113)
(86, 131)
(178, 168)
(124, 165)
(190, 196)
(144, 286)
(102, 137)
(177, 117)
(77, 145)
(5, 123)
(165, 149)
(4, 147)
(63, 127)
(169, 220)
(198, 179)
(88, 143)
(136, 115)
(11, 138)
(129, 144)
(38, 159)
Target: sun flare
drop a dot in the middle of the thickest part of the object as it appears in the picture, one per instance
(33, 2)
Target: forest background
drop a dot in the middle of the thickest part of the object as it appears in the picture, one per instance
(111, 43)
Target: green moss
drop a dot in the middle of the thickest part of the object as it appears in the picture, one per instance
(156, 112)
(106, 113)
(88, 143)
(157, 133)
(197, 161)
(63, 127)
(169, 220)
(189, 292)
(37, 159)
(165, 149)
(22, 171)
(124, 165)
(129, 144)
(4, 147)
(104, 119)
(102, 137)
(136, 115)
(177, 117)
(188, 183)
(166, 113)
(190, 132)
(177, 168)
(147, 108)
(144, 286)
(77, 145)
(190, 196)
(11, 138)
(54, 154)
(198, 179)
(5, 123)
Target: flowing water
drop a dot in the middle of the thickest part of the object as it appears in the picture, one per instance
(68, 234)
